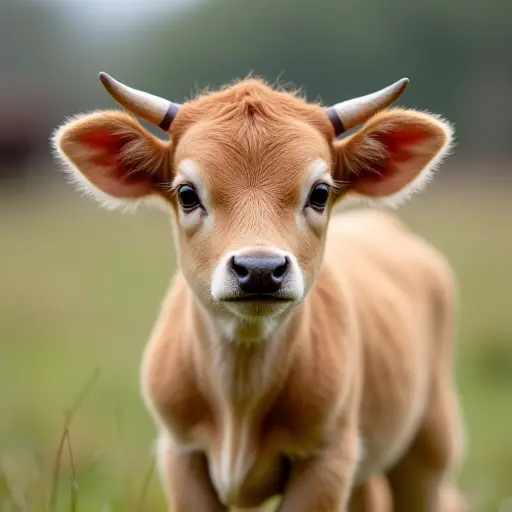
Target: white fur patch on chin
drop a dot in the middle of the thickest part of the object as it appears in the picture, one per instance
(247, 331)
(237, 322)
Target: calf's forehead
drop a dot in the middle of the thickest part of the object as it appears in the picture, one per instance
(230, 158)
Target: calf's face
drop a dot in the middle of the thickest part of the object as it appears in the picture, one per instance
(251, 204)
(251, 176)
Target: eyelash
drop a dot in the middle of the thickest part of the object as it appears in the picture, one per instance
(175, 190)
(319, 209)
(196, 205)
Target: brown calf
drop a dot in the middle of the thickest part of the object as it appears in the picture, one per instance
(298, 353)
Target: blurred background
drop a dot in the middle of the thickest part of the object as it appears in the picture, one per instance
(80, 288)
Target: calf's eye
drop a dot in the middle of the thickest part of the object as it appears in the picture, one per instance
(318, 197)
(188, 198)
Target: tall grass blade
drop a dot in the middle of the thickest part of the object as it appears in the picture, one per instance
(68, 418)
(145, 486)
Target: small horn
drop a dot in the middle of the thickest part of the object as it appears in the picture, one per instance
(156, 110)
(350, 113)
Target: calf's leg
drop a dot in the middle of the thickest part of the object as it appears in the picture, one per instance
(323, 483)
(374, 495)
(422, 479)
(186, 481)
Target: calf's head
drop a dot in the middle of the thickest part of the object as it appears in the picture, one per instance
(251, 175)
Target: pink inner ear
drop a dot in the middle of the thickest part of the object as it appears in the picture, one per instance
(108, 172)
(392, 172)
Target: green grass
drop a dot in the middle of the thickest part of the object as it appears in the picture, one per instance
(80, 290)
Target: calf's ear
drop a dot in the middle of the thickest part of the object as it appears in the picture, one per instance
(112, 157)
(393, 155)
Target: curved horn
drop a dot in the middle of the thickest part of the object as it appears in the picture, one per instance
(350, 113)
(151, 108)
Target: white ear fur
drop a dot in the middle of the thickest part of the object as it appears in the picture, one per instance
(428, 172)
(421, 180)
(80, 182)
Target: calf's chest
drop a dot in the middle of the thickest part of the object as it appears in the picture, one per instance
(247, 424)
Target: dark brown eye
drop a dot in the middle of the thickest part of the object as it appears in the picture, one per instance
(319, 197)
(189, 200)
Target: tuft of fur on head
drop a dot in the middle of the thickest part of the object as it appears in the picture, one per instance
(136, 153)
(257, 81)
(253, 103)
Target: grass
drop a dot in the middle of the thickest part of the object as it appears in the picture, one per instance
(80, 290)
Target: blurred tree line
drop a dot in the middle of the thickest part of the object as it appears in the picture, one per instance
(457, 54)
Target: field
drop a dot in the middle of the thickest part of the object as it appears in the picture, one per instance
(80, 290)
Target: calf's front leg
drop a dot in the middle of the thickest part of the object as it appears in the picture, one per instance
(322, 483)
(186, 481)
(373, 495)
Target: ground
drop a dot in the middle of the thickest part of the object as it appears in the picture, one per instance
(80, 290)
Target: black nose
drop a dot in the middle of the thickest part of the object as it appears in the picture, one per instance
(259, 273)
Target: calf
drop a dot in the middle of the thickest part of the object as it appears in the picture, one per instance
(298, 353)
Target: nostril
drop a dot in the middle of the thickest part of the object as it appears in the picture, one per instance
(240, 270)
(259, 273)
(280, 271)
